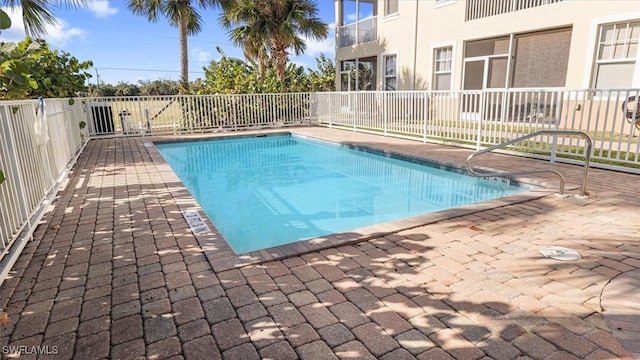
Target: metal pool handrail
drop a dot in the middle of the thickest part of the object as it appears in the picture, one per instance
(583, 189)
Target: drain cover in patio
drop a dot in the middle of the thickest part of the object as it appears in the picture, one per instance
(560, 253)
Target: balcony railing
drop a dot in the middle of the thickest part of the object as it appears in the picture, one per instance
(478, 9)
(360, 32)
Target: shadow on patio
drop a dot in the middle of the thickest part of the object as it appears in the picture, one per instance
(115, 272)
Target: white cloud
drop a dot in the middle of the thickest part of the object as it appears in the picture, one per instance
(315, 47)
(299, 62)
(353, 17)
(326, 46)
(204, 56)
(56, 34)
(16, 32)
(101, 8)
(61, 33)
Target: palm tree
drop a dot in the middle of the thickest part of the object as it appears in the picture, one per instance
(267, 29)
(182, 14)
(252, 30)
(37, 14)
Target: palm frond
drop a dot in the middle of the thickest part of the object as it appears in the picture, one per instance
(269, 28)
(36, 14)
(151, 9)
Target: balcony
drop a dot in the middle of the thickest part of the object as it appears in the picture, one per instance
(359, 32)
(478, 9)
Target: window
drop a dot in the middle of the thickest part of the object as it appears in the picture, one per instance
(442, 59)
(358, 74)
(538, 59)
(616, 58)
(390, 7)
(541, 58)
(358, 22)
(390, 72)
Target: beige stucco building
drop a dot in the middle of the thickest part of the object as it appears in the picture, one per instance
(482, 44)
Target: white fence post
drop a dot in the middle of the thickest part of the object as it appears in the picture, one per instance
(385, 112)
(425, 114)
(480, 117)
(556, 122)
(355, 110)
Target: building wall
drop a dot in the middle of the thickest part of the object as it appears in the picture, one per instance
(413, 38)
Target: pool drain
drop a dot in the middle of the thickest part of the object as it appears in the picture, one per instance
(560, 253)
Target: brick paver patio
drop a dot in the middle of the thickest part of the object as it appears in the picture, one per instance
(115, 272)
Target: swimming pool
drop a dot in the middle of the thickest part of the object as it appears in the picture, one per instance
(273, 190)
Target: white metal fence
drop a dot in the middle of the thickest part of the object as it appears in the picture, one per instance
(483, 118)
(38, 143)
(35, 158)
(187, 114)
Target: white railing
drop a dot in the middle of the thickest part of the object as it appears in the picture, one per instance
(360, 32)
(186, 114)
(36, 150)
(478, 9)
(35, 165)
(478, 119)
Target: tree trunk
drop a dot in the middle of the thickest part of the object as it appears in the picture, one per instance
(280, 58)
(262, 68)
(184, 53)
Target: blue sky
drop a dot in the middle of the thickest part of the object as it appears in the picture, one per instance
(107, 33)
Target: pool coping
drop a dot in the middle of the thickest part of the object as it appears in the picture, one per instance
(222, 257)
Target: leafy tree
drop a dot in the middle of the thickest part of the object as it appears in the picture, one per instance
(5, 23)
(15, 78)
(236, 76)
(273, 28)
(37, 14)
(324, 79)
(15, 62)
(159, 87)
(181, 14)
(30, 69)
(195, 86)
(126, 89)
(227, 76)
(57, 73)
(295, 80)
(5, 20)
(102, 90)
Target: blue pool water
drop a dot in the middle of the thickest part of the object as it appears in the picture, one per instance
(262, 192)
